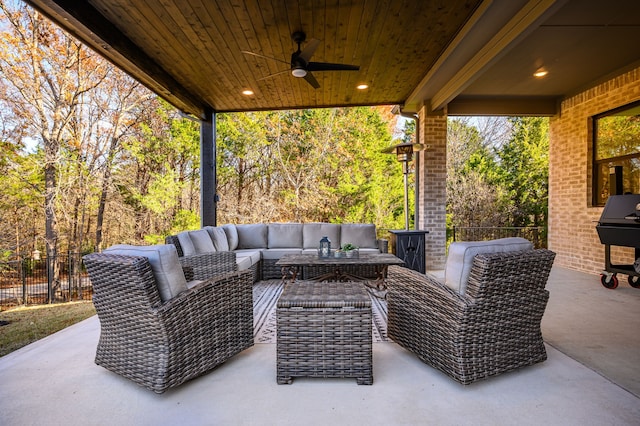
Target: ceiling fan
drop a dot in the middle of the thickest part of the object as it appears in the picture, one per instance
(301, 66)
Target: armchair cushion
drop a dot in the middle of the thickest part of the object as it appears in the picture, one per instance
(461, 254)
(164, 263)
(202, 241)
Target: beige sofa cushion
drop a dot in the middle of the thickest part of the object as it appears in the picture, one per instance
(361, 235)
(313, 232)
(252, 236)
(284, 235)
(232, 235)
(219, 237)
(461, 254)
(202, 241)
(188, 249)
(165, 266)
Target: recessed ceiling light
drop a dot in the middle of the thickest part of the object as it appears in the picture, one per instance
(362, 86)
(540, 72)
(247, 92)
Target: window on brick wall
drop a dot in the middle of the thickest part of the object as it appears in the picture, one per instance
(616, 153)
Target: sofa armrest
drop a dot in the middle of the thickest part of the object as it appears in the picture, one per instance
(383, 245)
(207, 265)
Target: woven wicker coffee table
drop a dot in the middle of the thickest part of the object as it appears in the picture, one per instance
(324, 330)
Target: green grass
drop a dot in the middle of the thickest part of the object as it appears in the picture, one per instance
(28, 324)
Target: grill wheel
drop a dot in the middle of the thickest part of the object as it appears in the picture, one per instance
(610, 281)
(634, 281)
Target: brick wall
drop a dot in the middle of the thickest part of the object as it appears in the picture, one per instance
(572, 233)
(431, 187)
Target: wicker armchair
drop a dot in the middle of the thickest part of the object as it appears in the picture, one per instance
(163, 344)
(493, 328)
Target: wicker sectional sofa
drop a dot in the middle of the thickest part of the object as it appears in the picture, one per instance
(259, 246)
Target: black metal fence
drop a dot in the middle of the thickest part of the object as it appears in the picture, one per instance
(536, 234)
(28, 281)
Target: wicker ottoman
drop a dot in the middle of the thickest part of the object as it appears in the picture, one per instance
(324, 330)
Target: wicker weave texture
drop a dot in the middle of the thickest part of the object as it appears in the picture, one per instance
(161, 345)
(324, 330)
(492, 329)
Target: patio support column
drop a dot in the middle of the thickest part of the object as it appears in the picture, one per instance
(431, 183)
(208, 181)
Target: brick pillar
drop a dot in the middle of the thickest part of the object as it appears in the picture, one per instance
(431, 179)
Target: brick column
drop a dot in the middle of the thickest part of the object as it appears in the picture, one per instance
(431, 179)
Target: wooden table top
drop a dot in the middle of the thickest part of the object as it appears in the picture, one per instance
(362, 259)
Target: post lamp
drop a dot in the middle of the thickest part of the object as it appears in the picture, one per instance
(404, 154)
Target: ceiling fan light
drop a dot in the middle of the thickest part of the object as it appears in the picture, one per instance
(299, 72)
(540, 72)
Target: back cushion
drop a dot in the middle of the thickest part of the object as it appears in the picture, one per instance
(284, 235)
(252, 236)
(313, 232)
(219, 238)
(361, 235)
(165, 266)
(202, 241)
(461, 254)
(188, 248)
(232, 235)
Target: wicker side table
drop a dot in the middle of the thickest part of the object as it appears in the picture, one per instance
(324, 330)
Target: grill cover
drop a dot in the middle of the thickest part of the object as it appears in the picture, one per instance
(619, 224)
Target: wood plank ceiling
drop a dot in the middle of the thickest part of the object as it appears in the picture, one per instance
(472, 56)
(199, 43)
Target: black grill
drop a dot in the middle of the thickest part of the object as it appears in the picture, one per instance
(619, 225)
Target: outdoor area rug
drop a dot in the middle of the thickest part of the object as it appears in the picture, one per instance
(265, 298)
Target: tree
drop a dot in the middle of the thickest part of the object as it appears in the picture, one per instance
(524, 170)
(45, 75)
(474, 193)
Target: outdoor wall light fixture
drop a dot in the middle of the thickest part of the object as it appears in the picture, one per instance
(404, 154)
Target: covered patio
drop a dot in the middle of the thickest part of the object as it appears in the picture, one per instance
(590, 378)
(434, 59)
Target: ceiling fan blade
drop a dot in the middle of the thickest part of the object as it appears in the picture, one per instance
(327, 66)
(273, 75)
(312, 80)
(309, 49)
(265, 57)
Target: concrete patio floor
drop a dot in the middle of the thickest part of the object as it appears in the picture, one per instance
(592, 377)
